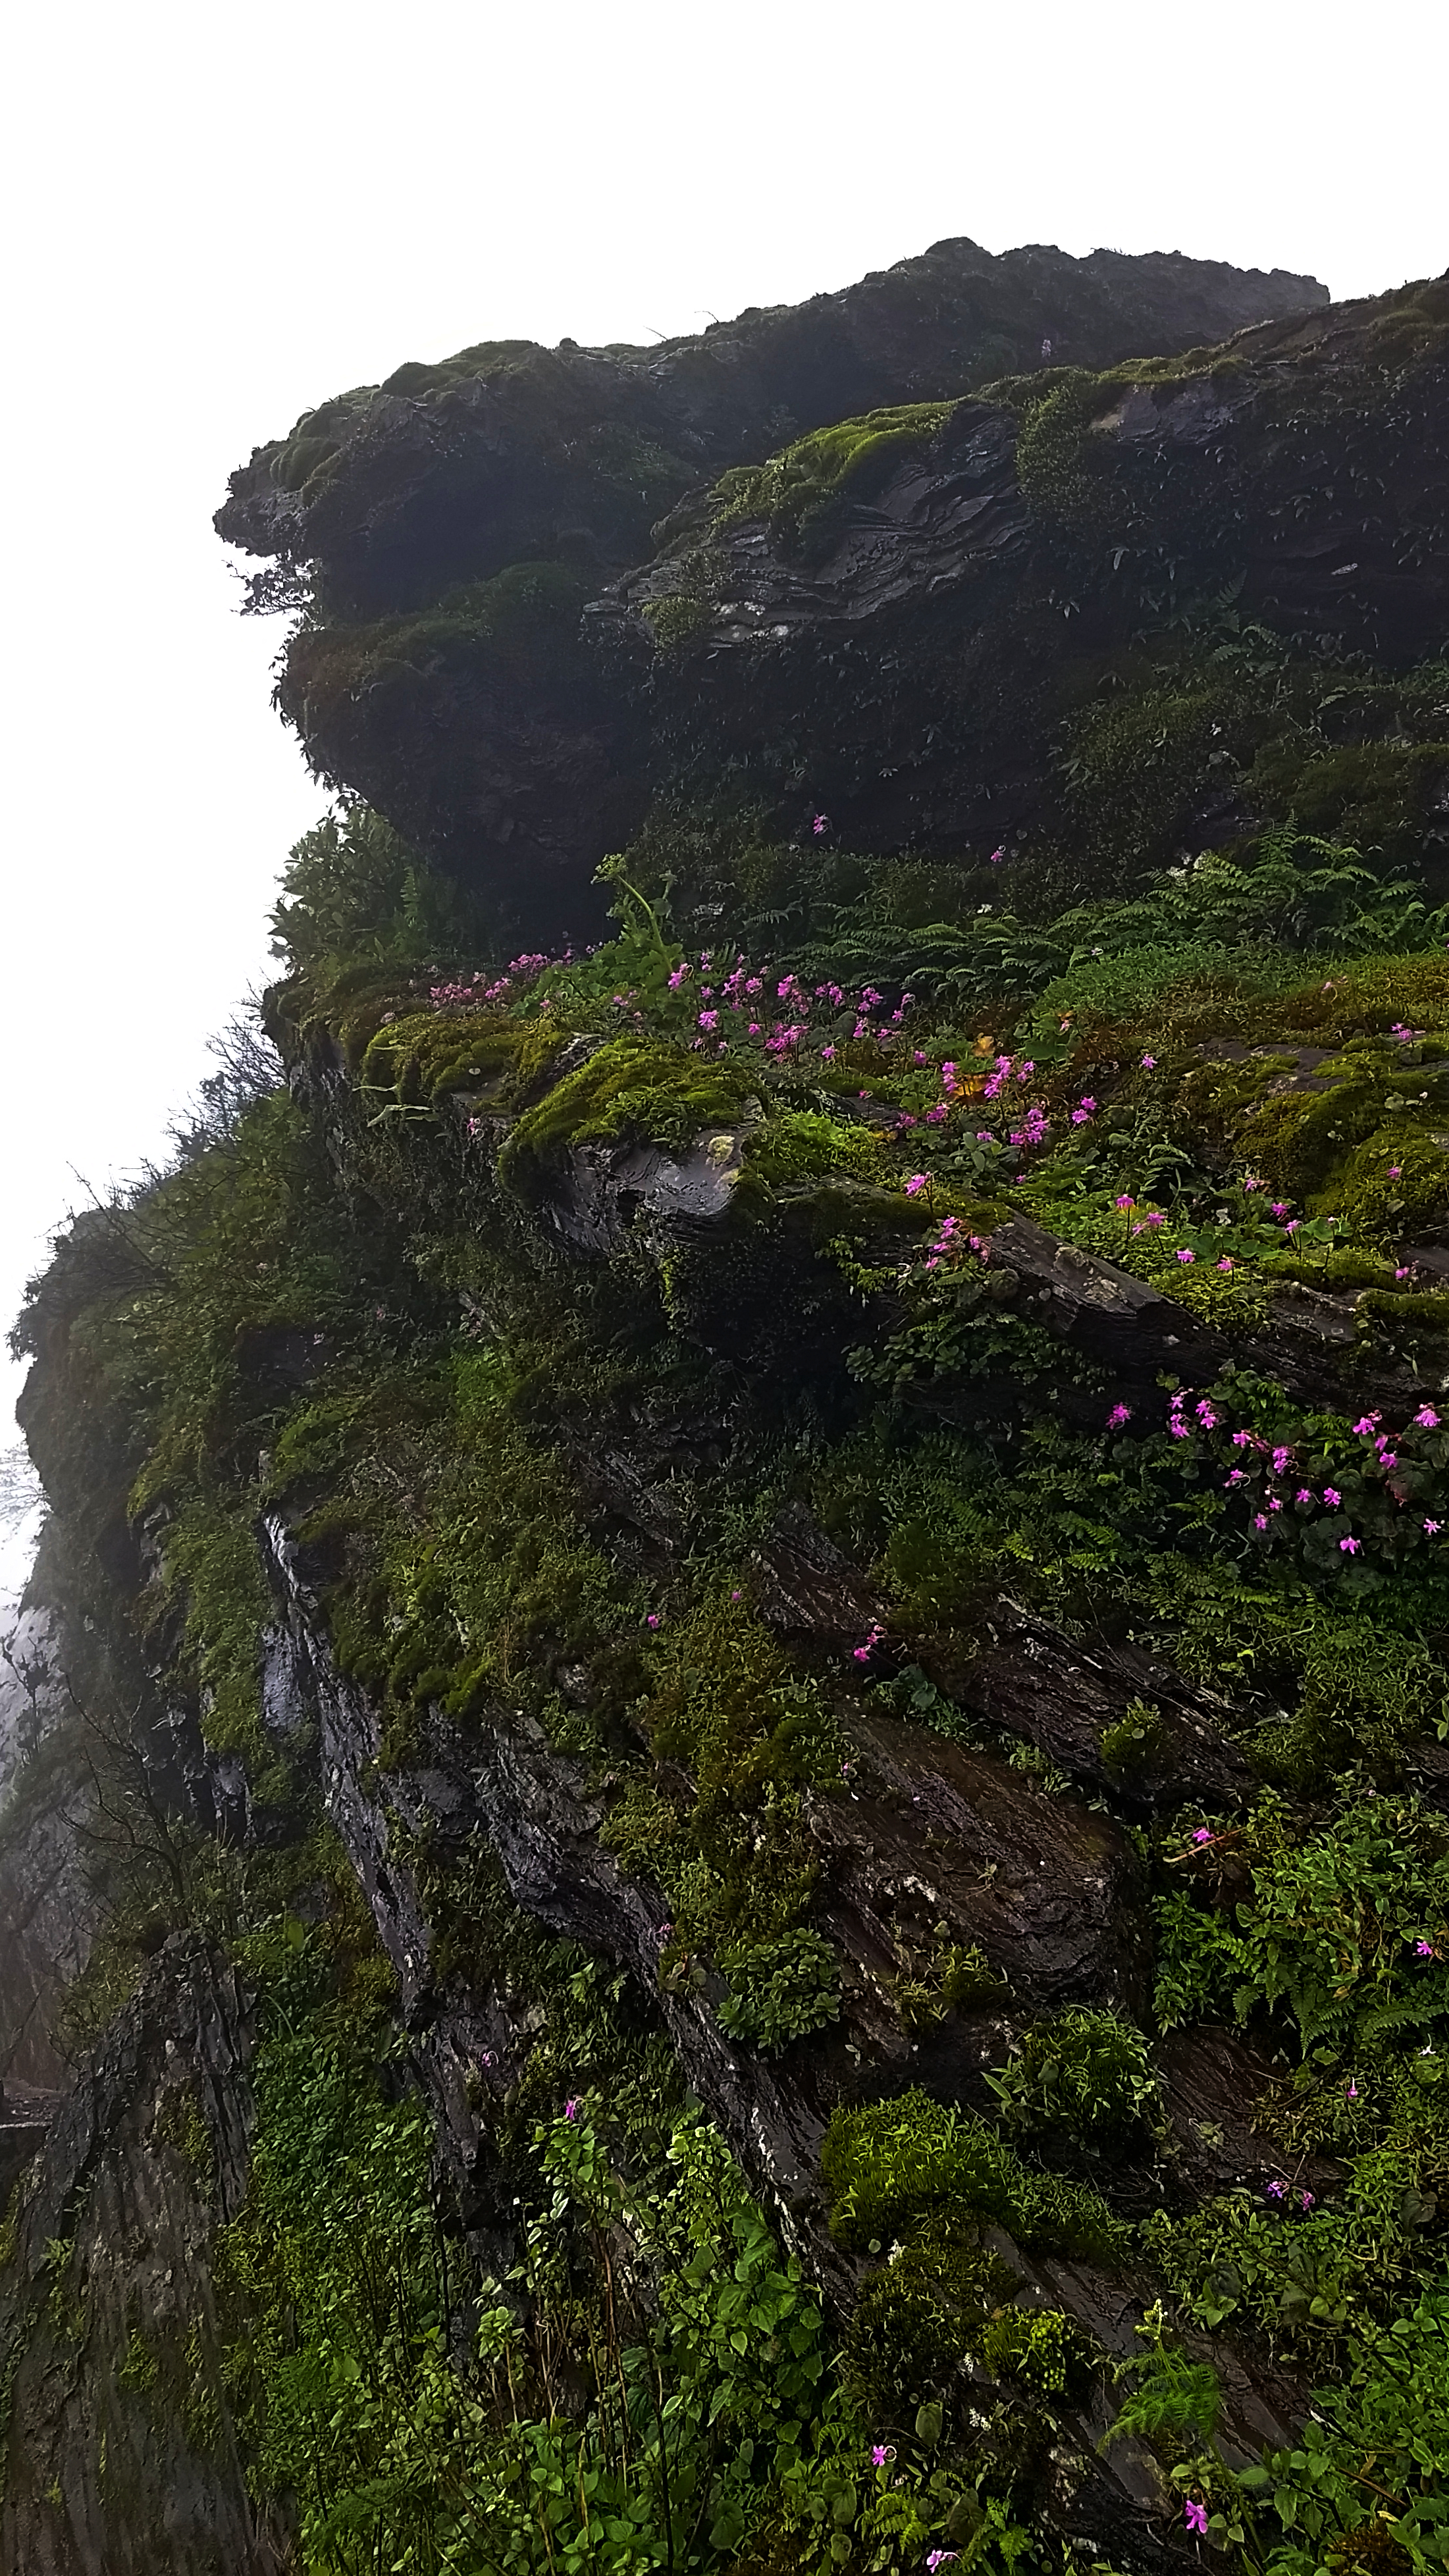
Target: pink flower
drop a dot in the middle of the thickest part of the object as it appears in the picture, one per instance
(1260, 1520)
(1281, 1459)
(1236, 1478)
(1225, 1264)
(1432, 1528)
(653, 1619)
(1396, 1171)
(1364, 1426)
(1202, 1834)
(1275, 2190)
(1123, 1203)
(571, 2109)
(1278, 1207)
(880, 2453)
(819, 823)
(709, 1019)
(1426, 1419)
(1304, 1494)
(1149, 1063)
(918, 1181)
(1350, 1546)
(1120, 1415)
(1424, 1949)
(1194, 2515)
(1154, 1216)
(1187, 1256)
(1332, 1497)
(1305, 2200)
(1352, 2093)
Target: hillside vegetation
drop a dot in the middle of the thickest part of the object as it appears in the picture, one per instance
(767, 1691)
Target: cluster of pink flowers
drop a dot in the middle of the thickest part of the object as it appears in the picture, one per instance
(1034, 1127)
(863, 1652)
(785, 1017)
(478, 988)
(1279, 2191)
(953, 1241)
(1274, 1463)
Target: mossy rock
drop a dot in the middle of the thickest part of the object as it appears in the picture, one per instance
(793, 488)
(635, 1088)
(421, 1057)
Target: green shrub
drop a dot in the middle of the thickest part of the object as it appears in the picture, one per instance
(1347, 1929)
(779, 1990)
(1081, 2075)
(896, 2162)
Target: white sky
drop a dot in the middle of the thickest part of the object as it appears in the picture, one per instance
(215, 217)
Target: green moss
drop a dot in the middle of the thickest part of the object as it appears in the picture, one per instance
(1394, 1184)
(676, 618)
(212, 1562)
(792, 488)
(1136, 1741)
(1041, 2348)
(420, 1057)
(1135, 765)
(899, 2161)
(634, 1087)
(801, 1144)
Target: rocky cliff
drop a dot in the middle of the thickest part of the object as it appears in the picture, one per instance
(448, 528)
(767, 1607)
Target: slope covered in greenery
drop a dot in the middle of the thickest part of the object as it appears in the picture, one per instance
(768, 1679)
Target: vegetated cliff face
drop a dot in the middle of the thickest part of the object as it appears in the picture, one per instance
(120, 2451)
(48, 1912)
(452, 524)
(769, 1615)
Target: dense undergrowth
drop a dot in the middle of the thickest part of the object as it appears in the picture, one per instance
(349, 1310)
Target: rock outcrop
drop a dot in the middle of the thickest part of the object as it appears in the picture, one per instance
(722, 1567)
(450, 526)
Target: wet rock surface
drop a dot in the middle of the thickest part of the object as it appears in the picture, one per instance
(48, 1908)
(121, 2458)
